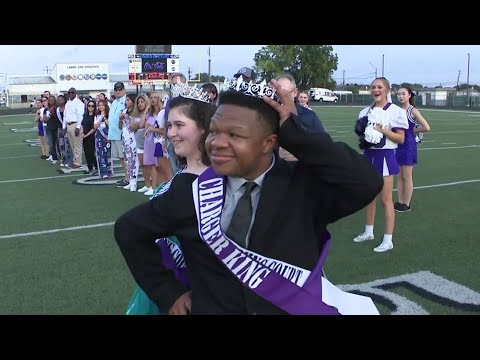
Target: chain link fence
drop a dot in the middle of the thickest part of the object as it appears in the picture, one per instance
(451, 102)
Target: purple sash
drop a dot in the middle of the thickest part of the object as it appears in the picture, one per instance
(103, 151)
(295, 290)
(130, 148)
(172, 259)
(172, 256)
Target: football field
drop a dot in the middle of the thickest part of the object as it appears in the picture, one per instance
(58, 255)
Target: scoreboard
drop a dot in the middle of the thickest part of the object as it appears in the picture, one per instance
(151, 68)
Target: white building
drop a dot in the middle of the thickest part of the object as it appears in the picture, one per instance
(88, 78)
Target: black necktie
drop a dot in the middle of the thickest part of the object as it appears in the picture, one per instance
(242, 216)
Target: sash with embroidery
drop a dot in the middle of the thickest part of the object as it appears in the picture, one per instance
(103, 151)
(65, 149)
(130, 148)
(293, 289)
(172, 256)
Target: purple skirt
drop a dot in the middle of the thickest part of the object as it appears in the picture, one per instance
(149, 151)
(406, 154)
(40, 129)
(383, 160)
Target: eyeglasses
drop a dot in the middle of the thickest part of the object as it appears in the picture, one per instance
(71, 92)
(92, 106)
(117, 88)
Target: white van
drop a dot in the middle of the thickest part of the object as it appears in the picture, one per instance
(321, 94)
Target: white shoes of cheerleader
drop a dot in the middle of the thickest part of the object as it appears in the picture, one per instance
(363, 237)
(384, 246)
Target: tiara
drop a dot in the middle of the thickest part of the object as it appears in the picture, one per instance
(251, 88)
(189, 92)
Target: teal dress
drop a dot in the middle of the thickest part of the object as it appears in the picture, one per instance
(140, 303)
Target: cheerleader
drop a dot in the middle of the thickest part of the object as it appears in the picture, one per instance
(381, 127)
(406, 153)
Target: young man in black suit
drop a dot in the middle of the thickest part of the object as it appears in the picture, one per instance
(272, 263)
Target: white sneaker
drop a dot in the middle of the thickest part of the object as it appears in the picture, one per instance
(384, 246)
(149, 192)
(143, 189)
(363, 237)
(127, 187)
(54, 162)
(50, 158)
(133, 189)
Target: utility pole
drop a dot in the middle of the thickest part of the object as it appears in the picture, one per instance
(47, 70)
(458, 79)
(189, 73)
(468, 78)
(383, 64)
(343, 84)
(209, 65)
(376, 75)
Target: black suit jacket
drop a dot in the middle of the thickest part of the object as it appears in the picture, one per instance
(297, 201)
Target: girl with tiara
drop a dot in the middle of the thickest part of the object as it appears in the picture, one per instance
(381, 127)
(188, 126)
(406, 153)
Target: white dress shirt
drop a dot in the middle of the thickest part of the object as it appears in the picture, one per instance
(235, 191)
(74, 110)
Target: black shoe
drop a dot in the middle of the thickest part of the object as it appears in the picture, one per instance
(94, 173)
(403, 208)
(397, 206)
(43, 157)
(122, 183)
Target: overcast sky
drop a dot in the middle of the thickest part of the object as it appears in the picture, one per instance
(429, 65)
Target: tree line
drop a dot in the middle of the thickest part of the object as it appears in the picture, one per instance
(311, 66)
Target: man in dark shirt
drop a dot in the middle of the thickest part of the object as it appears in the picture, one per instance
(260, 267)
(308, 117)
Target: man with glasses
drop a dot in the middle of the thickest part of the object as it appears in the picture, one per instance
(114, 131)
(72, 121)
(308, 118)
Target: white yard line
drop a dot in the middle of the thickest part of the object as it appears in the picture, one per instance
(40, 178)
(450, 147)
(18, 157)
(446, 184)
(73, 228)
(82, 227)
(23, 143)
(429, 134)
(1, 116)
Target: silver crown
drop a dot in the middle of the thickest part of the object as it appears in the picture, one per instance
(189, 92)
(251, 88)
